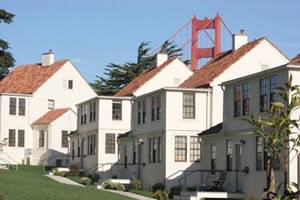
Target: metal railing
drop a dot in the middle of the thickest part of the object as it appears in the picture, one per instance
(187, 173)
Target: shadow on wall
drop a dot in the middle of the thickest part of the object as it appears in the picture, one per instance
(54, 158)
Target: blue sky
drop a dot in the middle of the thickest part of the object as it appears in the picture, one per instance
(94, 33)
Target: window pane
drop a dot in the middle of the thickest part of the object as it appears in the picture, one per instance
(180, 148)
(188, 106)
(246, 98)
(110, 143)
(273, 87)
(41, 138)
(194, 148)
(11, 137)
(237, 101)
(50, 104)
(21, 106)
(12, 106)
(70, 84)
(64, 138)
(21, 138)
(263, 95)
(117, 110)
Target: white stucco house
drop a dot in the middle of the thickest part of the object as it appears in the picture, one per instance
(38, 110)
(229, 146)
(163, 141)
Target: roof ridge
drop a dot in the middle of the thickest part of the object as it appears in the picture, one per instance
(143, 78)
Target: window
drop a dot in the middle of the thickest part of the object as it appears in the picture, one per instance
(273, 87)
(92, 144)
(110, 143)
(155, 108)
(51, 104)
(21, 106)
(263, 95)
(213, 161)
(70, 84)
(229, 154)
(155, 149)
(139, 112)
(11, 137)
(195, 149)
(78, 148)
(188, 106)
(84, 113)
(117, 110)
(21, 138)
(73, 150)
(259, 153)
(41, 138)
(237, 101)
(12, 105)
(92, 111)
(246, 98)
(64, 139)
(180, 148)
(142, 111)
(134, 152)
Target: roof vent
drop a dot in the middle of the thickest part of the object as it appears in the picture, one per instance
(48, 58)
(239, 40)
(161, 58)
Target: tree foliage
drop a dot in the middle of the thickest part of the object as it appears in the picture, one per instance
(116, 76)
(279, 129)
(6, 59)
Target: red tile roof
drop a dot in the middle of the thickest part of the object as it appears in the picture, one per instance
(51, 116)
(205, 75)
(26, 79)
(139, 81)
(295, 60)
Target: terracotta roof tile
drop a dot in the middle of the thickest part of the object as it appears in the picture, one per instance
(26, 79)
(139, 81)
(205, 75)
(51, 116)
(295, 60)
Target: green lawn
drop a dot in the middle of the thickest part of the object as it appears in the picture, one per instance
(29, 183)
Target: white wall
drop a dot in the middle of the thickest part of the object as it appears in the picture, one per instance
(170, 76)
(263, 54)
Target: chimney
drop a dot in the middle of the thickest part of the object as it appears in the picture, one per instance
(161, 58)
(48, 58)
(239, 39)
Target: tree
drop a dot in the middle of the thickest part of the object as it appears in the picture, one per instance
(116, 76)
(276, 129)
(6, 59)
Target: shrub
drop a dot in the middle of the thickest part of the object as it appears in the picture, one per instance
(74, 169)
(158, 186)
(161, 195)
(136, 184)
(85, 181)
(175, 191)
(191, 189)
(119, 186)
(113, 186)
(60, 173)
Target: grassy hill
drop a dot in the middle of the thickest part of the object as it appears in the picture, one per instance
(29, 183)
